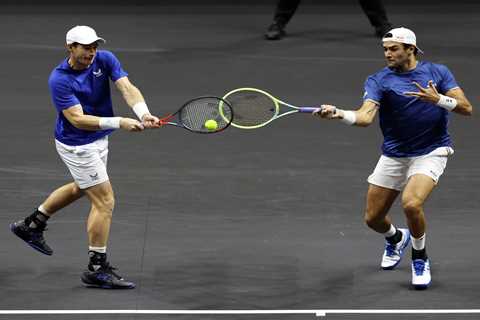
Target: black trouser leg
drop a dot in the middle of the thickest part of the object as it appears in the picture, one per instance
(284, 11)
(375, 12)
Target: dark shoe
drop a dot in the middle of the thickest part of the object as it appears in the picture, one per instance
(33, 237)
(380, 31)
(275, 32)
(105, 278)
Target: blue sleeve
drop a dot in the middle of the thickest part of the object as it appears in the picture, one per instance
(447, 80)
(373, 90)
(62, 94)
(114, 67)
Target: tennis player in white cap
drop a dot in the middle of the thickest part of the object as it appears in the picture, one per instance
(80, 90)
(414, 100)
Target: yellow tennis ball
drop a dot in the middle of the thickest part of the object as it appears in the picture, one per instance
(211, 124)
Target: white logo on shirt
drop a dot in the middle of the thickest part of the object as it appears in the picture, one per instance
(365, 94)
(97, 73)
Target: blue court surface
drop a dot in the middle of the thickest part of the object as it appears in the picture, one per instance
(267, 219)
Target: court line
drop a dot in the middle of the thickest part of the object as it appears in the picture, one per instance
(316, 312)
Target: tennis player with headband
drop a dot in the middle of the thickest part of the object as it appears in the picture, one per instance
(413, 99)
(80, 91)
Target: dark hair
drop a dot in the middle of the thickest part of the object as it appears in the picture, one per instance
(406, 46)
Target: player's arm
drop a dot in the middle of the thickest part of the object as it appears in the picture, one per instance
(362, 117)
(463, 106)
(83, 121)
(134, 98)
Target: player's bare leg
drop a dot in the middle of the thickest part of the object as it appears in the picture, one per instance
(100, 218)
(62, 197)
(416, 192)
(100, 273)
(32, 227)
(379, 202)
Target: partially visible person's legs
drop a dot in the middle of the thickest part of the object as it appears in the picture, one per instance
(377, 15)
(283, 13)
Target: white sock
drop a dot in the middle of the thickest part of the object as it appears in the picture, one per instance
(98, 249)
(418, 244)
(42, 210)
(391, 232)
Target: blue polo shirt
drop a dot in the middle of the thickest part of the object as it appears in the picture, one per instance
(410, 126)
(90, 88)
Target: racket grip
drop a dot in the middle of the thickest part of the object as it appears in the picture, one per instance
(309, 109)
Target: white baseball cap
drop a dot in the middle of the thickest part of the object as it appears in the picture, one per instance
(402, 35)
(83, 35)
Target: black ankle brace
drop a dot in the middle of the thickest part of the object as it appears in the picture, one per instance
(37, 220)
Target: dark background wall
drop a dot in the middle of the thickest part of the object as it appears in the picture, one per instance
(225, 2)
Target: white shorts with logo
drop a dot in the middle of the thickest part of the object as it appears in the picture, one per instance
(393, 173)
(87, 163)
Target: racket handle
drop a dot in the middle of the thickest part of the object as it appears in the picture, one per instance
(308, 109)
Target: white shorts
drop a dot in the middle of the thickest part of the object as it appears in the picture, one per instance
(87, 163)
(393, 173)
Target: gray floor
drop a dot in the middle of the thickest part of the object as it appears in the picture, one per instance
(263, 219)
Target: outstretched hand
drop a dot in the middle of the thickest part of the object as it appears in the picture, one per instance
(429, 94)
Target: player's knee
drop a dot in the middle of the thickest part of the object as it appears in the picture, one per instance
(370, 219)
(76, 191)
(105, 205)
(412, 206)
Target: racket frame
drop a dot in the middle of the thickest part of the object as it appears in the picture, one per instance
(276, 110)
(166, 120)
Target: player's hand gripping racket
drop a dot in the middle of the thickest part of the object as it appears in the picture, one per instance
(202, 115)
(255, 108)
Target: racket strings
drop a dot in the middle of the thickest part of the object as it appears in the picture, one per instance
(251, 108)
(197, 112)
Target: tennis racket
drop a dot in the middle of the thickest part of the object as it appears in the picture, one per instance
(202, 115)
(255, 108)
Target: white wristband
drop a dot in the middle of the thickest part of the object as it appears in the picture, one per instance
(447, 103)
(140, 110)
(109, 122)
(349, 117)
